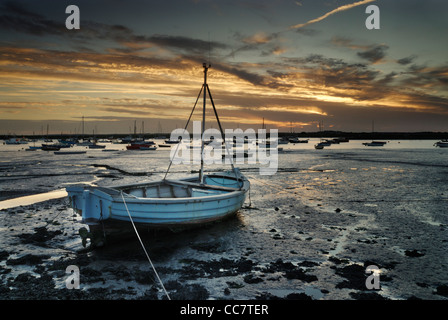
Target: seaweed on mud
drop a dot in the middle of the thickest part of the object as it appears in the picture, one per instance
(291, 296)
(186, 292)
(355, 277)
(367, 296)
(290, 271)
(40, 236)
(216, 268)
(28, 259)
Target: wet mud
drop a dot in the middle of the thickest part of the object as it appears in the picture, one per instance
(306, 234)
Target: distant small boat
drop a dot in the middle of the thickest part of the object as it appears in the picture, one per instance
(442, 143)
(69, 152)
(141, 144)
(148, 147)
(282, 141)
(96, 146)
(171, 141)
(322, 144)
(33, 148)
(68, 141)
(267, 144)
(235, 155)
(297, 140)
(57, 145)
(12, 141)
(16, 141)
(50, 147)
(84, 143)
(375, 143)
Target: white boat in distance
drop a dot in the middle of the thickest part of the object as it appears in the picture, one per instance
(171, 204)
(375, 143)
(442, 143)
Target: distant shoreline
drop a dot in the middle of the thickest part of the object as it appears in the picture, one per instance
(372, 135)
(323, 134)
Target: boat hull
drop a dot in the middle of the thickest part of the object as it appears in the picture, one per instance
(166, 205)
(375, 144)
(441, 144)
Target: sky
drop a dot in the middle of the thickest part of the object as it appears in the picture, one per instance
(292, 64)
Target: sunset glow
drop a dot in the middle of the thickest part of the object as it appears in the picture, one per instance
(118, 68)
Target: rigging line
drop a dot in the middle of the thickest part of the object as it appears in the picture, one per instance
(275, 186)
(209, 48)
(188, 121)
(222, 135)
(144, 249)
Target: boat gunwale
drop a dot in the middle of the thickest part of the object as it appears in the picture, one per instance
(155, 201)
(129, 198)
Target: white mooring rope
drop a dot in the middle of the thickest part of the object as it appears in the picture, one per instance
(144, 249)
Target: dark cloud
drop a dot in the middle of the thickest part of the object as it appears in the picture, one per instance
(264, 44)
(348, 43)
(388, 78)
(251, 77)
(11, 7)
(184, 43)
(334, 72)
(367, 84)
(120, 50)
(421, 76)
(375, 53)
(407, 60)
(434, 103)
(17, 18)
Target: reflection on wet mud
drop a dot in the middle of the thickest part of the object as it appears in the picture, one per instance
(308, 232)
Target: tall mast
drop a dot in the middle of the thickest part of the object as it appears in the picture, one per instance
(204, 86)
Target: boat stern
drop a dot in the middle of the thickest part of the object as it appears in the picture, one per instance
(75, 198)
(90, 203)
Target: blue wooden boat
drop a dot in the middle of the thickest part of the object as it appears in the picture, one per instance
(172, 204)
(165, 203)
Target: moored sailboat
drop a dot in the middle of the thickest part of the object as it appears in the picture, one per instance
(442, 143)
(172, 204)
(375, 143)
